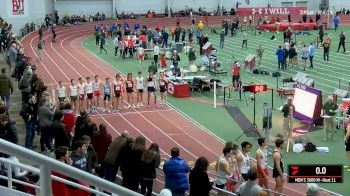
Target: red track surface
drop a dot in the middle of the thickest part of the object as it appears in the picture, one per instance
(67, 59)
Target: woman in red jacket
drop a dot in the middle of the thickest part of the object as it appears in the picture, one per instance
(68, 119)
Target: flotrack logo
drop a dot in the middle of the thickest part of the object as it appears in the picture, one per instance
(314, 12)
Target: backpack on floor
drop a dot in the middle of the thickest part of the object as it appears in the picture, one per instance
(310, 147)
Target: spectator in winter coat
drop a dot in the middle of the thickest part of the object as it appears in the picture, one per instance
(87, 128)
(59, 130)
(6, 87)
(59, 188)
(92, 160)
(150, 161)
(175, 170)
(8, 130)
(68, 119)
(132, 170)
(199, 180)
(112, 159)
(12, 56)
(101, 142)
(29, 114)
(45, 121)
(25, 84)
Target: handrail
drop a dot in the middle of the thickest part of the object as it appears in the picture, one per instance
(48, 164)
(37, 171)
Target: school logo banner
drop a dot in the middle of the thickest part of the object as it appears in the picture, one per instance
(18, 7)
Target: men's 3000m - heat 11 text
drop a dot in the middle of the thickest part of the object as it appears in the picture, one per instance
(315, 173)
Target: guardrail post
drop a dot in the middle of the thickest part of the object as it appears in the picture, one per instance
(45, 180)
(9, 175)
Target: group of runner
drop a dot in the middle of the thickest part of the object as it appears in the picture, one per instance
(86, 94)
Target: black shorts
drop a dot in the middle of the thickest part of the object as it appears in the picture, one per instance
(107, 97)
(162, 89)
(117, 94)
(90, 95)
(151, 89)
(140, 90)
(267, 122)
(129, 90)
(235, 79)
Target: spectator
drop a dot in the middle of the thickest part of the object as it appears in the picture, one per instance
(92, 159)
(25, 84)
(79, 158)
(6, 88)
(199, 180)
(132, 171)
(87, 128)
(245, 39)
(59, 130)
(311, 54)
(112, 159)
(175, 170)
(29, 115)
(101, 142)
(59, 188)
(150, 161)
(191, 56)
(175, 59)
(45, 121)
(12, 56)
(8, 130)
(68, 119)
(250, 187)
(336, 22)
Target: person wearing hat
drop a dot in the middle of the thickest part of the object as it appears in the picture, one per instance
(236, 80)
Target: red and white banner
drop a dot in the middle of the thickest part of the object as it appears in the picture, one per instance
(18, 7)
(272, 11)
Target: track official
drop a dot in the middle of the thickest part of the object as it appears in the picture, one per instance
(328, 112)
(288, 111)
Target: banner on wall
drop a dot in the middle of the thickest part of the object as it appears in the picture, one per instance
(18, 7)
(271, 11)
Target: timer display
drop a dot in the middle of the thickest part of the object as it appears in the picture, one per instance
(315, 173)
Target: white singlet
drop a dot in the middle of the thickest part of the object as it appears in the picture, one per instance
(96, 86)
(219, 172)
(81, 88)
(73, 90)
(245, 165)
(89, 88)
(263, 162)
(61, 91)
(139, 82)
(150, 83)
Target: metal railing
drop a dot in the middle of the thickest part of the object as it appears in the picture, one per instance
(47, 165)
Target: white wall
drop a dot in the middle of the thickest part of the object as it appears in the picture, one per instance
(140, 6)
(34, 11)
(81, 7)
(335, 5)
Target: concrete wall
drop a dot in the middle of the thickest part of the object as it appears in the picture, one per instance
(81, 7)
(336, 5)
(140, 6)
(34, 11)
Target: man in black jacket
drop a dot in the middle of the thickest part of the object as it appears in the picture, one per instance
(8, 130)
(59, 130)
(29, 114)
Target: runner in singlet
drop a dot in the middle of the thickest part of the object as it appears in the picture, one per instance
(107, 88)
(73, 94)
(224, 167)
(61, 92)
(243, 160)
(81, 91)
(163, 86)
(117, 88)
(140, 56)
(129, 87)
(96, 87)
(151, 83)
(89, 95)
(261, 158)
(277, 171)
(139, 86)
